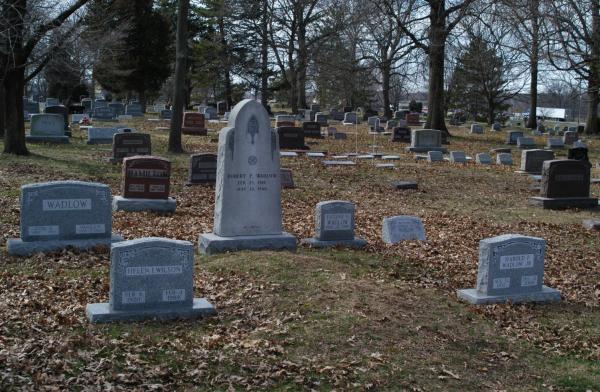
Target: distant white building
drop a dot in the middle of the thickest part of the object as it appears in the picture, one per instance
(555, 114)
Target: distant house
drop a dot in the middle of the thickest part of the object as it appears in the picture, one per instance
(555, 114)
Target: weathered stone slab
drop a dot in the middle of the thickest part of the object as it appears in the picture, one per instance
(513, 136)
(401, 185)
(458, 157)
(435, 156)
(511, 269)
(63, 213)
(532, 161)
(129, 145)
(203, 169)
(151, 278)
(287, 179)
(476, 129)
(483, 159)
(47, 128)
(334, 226)
(194, 124)
(504, 158)
(402, 228)
(423, 140)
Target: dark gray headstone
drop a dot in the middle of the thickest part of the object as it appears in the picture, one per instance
(203, 169)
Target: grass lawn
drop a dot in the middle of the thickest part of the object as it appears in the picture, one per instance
(385, 318)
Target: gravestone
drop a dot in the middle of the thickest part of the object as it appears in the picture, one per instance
(402, 228)
(64, 112)
(570, 137)
(483, 159)
(210, 113)
(532, 161)
(134, 109)
(287, 179)
(158, 107)
(334, 226)
(284, 120)
(401, 134)
(248, 188)
(525, 143)
(476, 129)
(555, 143)
(458, 157)
(402, 185)
(76, 109)
(504, 158)
(580, 154)
(103, 113)
(423, 140)
(193, 124)
(117, 108)
(165, 114)
(78, 118)
(413, 119)
(47, 128)
(129, 145)
(221, 107)
(315, 107)
(373, 122)
(150, 278)
(321, 118)
(100, 103)
(291, 138)
(400, 114)
(312, 129)
(203, 169)
(513, 136)
(391, 124)
(340, 136)
(511, 269)
(337, 115)
(496, 127)
(145, 185)
(435, 156)
(347, 109)
(87, 104)
(350, 118)
(52, 102)
(31, 107)
(58, 214)
(565, 184)
(104, 135)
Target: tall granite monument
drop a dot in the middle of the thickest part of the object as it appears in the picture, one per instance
(248, 187)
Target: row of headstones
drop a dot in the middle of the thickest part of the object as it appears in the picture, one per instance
(518, 138)
(460, 157)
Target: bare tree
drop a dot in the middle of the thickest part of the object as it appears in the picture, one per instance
(574, 45)
(22, 34)
(180, 74)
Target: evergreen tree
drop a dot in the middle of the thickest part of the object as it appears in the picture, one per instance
(479, 83)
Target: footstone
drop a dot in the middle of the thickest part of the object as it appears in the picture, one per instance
(385, 166)
(248, 188)
(58, 214)
(511, 269)
(334, 226)
(401, 185)
(390, 157)
(315, 154)
(504, 159)
(402, 228)
(435, 156)
(288, 154)
(458, 157)
(151, 278)
(339, 163)
(483, 159)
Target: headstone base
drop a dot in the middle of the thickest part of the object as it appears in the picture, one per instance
(472, 296)
(18, 247)
(356, 243)
(121, 203)
(47, 139)
(210, 243)
(563, 202)
(101, 313)
(426, 149)
(194, 131)
(591, 224)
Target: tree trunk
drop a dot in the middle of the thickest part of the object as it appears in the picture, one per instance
(437, 46)
(302, 65)
(179, 80)
(534, 60)
(592, 125)
(2, 110)
(14, 137)
(264, 56)
(142, 99)
(225, 61)
(491, 112)
(385, 76)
